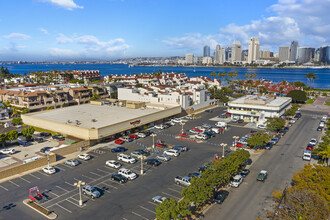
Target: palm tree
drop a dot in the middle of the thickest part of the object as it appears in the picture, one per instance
(325, 154)
(246, 75)
(235, 74)
(213, 74)
(254, 75)
(281, 89)
(310, 79)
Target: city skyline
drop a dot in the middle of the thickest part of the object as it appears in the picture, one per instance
(110, 29)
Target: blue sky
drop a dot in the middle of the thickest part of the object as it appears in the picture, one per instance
(37, 30)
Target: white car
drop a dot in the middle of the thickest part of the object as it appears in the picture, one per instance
(161, 126)
(262, 126)
(84, 156)
(313, 141)
(8, 151)
(201, 136)
(159, 199)
(141, 135)
(177, 120)
(322, 124)
(324, 118)
(292, 121)
(49, 170)
(72, 162)
(163, 158)
(216, 130)
(238, 179)
(126, 158)
(113, 164)
(127, 173)
(172, 152)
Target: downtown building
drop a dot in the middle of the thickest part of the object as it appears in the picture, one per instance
(206, 51)
(324, 54)
(253, 51)
(236, 56)
(293, 51)
(284, 53)
(305, 55)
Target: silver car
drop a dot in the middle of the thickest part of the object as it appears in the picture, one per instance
(163, 158)
(72, 162)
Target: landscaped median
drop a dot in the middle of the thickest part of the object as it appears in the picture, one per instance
(41, 210)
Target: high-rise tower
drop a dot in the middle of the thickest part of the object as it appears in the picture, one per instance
(253, 53)
(293, 51)
(236, 54)
(206, 51)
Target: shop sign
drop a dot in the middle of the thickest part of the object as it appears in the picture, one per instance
(135, 122)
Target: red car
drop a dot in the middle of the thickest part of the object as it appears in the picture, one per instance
(197, 129)
(309, 147)
(134, 136)
(119, 141)
(161, 144)
(183, 134)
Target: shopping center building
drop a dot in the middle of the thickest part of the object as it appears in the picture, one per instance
(257, 108)
(100, 121)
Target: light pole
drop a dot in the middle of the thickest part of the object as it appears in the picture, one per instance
(79, 184)
(235, 138)
(142, 157)
(182, 128)
(223, 145)
(153, 141)
(48, 159)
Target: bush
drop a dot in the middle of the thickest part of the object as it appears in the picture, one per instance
(17, 121)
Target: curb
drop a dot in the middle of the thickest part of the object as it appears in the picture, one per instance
(53, 215)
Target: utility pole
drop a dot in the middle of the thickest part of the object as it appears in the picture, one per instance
(79, 184)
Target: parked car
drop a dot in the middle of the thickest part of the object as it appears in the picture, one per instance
(118, 177)
(237, 180)
(215, 130)
(159, 199)
(261, 126)
(163, 158)
(274, 140)
(180, 148)
(136, 154)
(319, 128)
(148, 132)
(245, 172)
(127, 139)
(141, 135)
(177, 120)
(202, 169)
(118, 149)
(39, 140)
(119, 141)
(209, 133)
(220, 196)
(172, 152)
(113, 164)
(144, 152)
(45, 149)
(84, 156)
(152, 162)
(268, 146)
(58, 137)
(72, 162)
(208, 111)
(133, 136)
(195, 174)
(161, 126)
(45, 134)
(90, 191)
(240, 121)
(8, 151)
(184, 181)
(206, 125)
(201, 136)
(126, 158)
(49, 170)
(224, 115)
(127, 173)
(262, 176)
(310, 147)
(170, 123)
(313, 141)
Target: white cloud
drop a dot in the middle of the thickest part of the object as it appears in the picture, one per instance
(62, 39)
(17, 36)
(43, 30)
(62, 52)
(67, 4)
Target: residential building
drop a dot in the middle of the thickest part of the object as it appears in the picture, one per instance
(189, 58)
(265, 54)
(217, 54)
(284, 53)
(207, 60)
(206, 51)
(253, 51)
(293, 51)
(258, 108)
(236, 52)
(305, 54)
(228, 52)
(324, 54)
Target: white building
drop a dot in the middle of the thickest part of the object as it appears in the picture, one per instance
(253, 53)
(284, 53)
(254, 108)
(217, 54)
(207, 60)
(236, 52)
(189, 58)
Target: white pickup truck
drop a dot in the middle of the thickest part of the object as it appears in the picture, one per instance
(184, 181)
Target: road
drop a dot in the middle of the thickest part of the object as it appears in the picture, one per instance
(252, 199)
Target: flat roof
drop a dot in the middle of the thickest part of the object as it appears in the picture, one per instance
(276, 102)
(104, 115)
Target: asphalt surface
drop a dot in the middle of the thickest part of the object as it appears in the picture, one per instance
(131, 200)
(252, 199)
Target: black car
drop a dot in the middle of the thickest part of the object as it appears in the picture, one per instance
(195, 174)
(147, 133)
(119, 178)
(118, 149)
(220, 196)
(245, 172)
(202, 169)
(143, 152)
(58, 137)
(180, 148)
(240, 121)
(298, 115)
(45, 134)
(286, 129)
(39, 140)
(209, 134)
(152, 162)
(282, 132)
(209, 111)
(253, 131)
(319, 128)
(45, 149)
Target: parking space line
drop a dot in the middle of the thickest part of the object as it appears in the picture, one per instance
(4, 188)
(88, 197)
(147, 209)
(42, 173)
(74, 203)
(13, 183)
(171, 195)
(60, 168)
(74, 198)
(34, 176)
(87, 177)
(110, 168)
(69, 183)
(63, 208)
(25, 180)
(174, 190)
(125, 219)
(109, 185)
(153, 203)
(95, 174)
(65, 165)
(54, 194)
(102, 170)
(62, 188)
(140, 215)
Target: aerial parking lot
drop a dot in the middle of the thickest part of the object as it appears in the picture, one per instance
(129, 200)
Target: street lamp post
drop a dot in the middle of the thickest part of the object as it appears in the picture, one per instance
(79, 184)
(223, 149)
(153, 141)
(142, 157)
(235, 138)
(182, 128)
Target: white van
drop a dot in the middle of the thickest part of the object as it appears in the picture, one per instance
(221, 124)
(307, 155)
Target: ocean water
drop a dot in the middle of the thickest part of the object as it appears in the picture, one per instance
(275, 75)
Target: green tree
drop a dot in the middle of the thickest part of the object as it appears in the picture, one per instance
(28, 132)
(139, 85)
(95, 97)
(167, 210)
(299, 84)
(297, 96)
(114, 95)
(3, 138)
(213, 74)
(275, 124)
(259, 139)
(17, 121)
(12, 135)
(198, 191)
